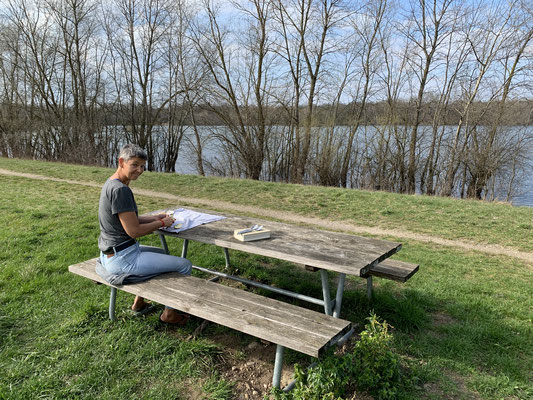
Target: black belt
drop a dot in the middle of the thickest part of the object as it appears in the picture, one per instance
(121, 246)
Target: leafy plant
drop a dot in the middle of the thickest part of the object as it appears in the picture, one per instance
(372, 367)
(374, 364)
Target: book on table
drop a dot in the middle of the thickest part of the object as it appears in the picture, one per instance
(248, 235)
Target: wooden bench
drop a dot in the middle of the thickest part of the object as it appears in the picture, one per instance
(284, 324)
(395, 270)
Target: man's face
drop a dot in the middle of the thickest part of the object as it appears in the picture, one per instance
(133, 168)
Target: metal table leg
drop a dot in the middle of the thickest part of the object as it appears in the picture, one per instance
(226, 256)
(185, 248)
(326, 291)
(163, 242)
(112, 301)
(278, 364)
(338, 296)
(369, 287)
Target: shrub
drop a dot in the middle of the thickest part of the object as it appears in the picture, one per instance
(372, 367)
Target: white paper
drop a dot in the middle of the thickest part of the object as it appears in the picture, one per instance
(187, 219)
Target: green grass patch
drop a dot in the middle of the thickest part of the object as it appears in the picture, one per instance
(449, 218)
(463, 323)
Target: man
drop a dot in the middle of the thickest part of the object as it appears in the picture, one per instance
(120, 225)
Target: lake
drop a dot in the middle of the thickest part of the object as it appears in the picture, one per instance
(525, 199)
(186, 163)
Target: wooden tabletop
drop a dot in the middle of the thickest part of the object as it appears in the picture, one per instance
(340, 252)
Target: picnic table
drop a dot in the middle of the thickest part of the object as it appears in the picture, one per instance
(287, 325)
(316, 249)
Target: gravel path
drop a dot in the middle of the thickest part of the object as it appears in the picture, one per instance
(315, 221)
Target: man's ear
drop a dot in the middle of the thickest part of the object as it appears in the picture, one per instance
(121, 162)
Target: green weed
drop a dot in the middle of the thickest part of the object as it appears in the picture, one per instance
(372, 367)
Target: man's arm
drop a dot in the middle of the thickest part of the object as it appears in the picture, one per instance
(143, 219)
(137, 226)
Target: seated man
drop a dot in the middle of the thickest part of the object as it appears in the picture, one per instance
(120, 225)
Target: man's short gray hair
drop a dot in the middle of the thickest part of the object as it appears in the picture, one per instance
(132, 150)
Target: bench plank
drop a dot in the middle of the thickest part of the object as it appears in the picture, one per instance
(297, 328)
(395, 270)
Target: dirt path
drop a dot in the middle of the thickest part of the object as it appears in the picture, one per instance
(319, 222)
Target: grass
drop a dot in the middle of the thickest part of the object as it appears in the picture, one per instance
(464, 320)
(475, 221)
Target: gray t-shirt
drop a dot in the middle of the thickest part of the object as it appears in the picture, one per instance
(115, 198)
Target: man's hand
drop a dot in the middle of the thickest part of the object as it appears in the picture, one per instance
(168, 221)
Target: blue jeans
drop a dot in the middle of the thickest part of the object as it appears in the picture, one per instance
(144, 260)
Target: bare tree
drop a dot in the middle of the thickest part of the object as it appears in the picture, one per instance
(15, 139)
(138, 32)
(57, 57)
(453, 54)
(487, 32)
(183, 76)
(305, 26)
(486, 151)
(431, 26)
(239, 68)
(82, 56)
(192, 75)
(391, 135)
(367, 26)
(38, 59)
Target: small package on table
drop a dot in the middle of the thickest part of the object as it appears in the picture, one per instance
(250, 234)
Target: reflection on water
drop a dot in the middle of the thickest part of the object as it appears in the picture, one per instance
(525, 199)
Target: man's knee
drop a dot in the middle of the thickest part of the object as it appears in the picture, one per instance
(185, 266)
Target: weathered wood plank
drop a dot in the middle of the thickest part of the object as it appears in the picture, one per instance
(349, 254)
(297, 328)
(395, 270)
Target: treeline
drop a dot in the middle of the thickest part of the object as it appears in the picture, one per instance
(208, 115)
(425, 96)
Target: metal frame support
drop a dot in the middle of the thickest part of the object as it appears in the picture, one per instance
(112, 301)
(165, 246)
(338, 296)
(163, 242)
(262, 286)
(345, 338)
(185, 248)
(226, 257)
(278, 365)
(326, 291)
(369, 287)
